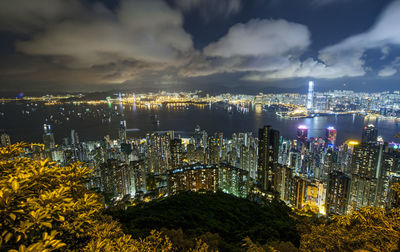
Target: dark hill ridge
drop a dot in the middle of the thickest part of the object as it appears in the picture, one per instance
(230, 217)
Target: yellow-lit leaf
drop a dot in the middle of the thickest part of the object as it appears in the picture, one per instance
(8, 237)
(47, 224)
(22, 248)
(12, 216)
(15, 185)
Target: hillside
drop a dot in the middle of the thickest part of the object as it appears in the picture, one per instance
(229, 219)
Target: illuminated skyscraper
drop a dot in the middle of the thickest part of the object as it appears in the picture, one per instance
(330, 135)
(48, 138)
(122, 131)
(5, 140)
(268, 151)
(74, 137)
(370, 134)
(337, 194)
(302, 133)
(310, 97)
(366, 171)
(176, 153)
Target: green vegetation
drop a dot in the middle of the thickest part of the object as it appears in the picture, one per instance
(219, 219)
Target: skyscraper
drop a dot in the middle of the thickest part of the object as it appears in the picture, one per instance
(122, 131)
(370, 134)
(302, 133)
(48, 139)
(74, 137)
(268, 151)
(330, 135)
(5, 140)
(310, 97)
(337, 194)
(366, 171)
(176, 153)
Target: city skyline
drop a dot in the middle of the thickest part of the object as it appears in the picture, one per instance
(304, 172)
(232, 45)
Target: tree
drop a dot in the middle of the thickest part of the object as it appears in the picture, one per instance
(369, 228)
(45, 207)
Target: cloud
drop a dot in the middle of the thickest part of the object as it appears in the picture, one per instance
(259, 45)
(346, 58)
(270, 50)
(146, 30)
(26, 15)
(47, 69)
(211, 9)
(387, 71)
(385, 52)
(391, 69)
(320, 3)
(144, 39)
(303, 69)
(261, 37)
(112, 46)
(350, 52)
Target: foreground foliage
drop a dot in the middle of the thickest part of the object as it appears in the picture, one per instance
(46, 207)
(370, 228)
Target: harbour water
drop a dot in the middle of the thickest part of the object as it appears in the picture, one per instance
(24, 121)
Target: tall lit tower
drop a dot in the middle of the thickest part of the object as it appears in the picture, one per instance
(330, 135)
(302, 133)
(48, 138)
(268, 148)
(122, 131)
(310, 97)
(370, 134)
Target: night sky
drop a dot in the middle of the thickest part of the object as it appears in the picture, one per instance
(245, 46)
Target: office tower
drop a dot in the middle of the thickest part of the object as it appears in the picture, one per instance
(122, 132)
(337, 194)
(5, 140)
(48, 138)
(176, 153)
(74, 137)
(330, 136)
(310, 97)
(268, 151)
(197, 136)
(302, 133)
(369, 134)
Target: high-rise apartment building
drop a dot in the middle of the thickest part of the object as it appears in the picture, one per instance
(268, 151)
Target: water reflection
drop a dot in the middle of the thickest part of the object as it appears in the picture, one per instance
(102, 119)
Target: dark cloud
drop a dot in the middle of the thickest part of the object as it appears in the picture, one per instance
(27, 15)
(211, 9)
(146, 41)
